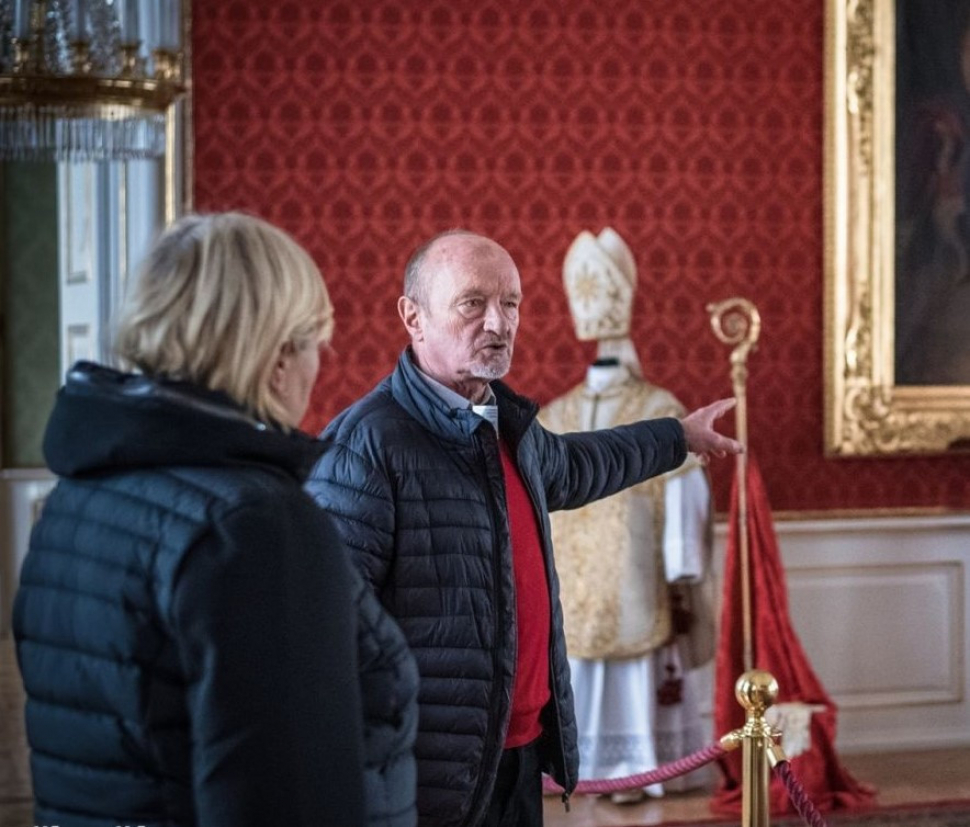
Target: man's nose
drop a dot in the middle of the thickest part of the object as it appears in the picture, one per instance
(495, 320)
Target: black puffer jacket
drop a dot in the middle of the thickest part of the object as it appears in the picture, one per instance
(196, 647)
(418, 490)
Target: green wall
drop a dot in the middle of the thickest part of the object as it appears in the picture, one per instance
(28, 300)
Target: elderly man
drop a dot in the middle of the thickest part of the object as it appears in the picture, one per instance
(442, 481)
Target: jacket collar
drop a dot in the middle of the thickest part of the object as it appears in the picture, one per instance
(421, 401)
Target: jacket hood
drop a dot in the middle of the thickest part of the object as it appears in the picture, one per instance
(106, 421)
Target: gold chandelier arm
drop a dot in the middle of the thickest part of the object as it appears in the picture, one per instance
(88, 92)
(75, 87)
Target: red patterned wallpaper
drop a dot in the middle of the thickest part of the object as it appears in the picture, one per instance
(694, 128)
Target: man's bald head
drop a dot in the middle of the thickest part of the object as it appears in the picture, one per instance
(461, 309)
(415, 277)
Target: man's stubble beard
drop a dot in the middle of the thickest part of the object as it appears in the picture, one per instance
(489, 370)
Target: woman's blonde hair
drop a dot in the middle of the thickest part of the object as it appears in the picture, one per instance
(215, 301)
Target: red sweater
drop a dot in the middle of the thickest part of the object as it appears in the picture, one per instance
(532, 611)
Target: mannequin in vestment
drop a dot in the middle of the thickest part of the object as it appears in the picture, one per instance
(634, 568)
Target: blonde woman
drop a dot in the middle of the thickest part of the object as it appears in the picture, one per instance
(195, 646)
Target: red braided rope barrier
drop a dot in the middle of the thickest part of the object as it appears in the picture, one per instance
(665, 772)
(804, 806)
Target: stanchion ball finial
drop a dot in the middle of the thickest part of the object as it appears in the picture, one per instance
(756, 690)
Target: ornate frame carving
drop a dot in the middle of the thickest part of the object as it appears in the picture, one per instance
(866, 413)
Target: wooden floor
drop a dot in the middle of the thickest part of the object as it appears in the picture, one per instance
(903, 778)
(15, 810)
(899, 779)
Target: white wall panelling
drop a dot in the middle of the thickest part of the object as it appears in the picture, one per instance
(879, 605)
(109, 213)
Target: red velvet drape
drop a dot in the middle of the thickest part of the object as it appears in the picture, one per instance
(776, 649)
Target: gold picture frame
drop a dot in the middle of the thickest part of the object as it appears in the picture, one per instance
(866, 411)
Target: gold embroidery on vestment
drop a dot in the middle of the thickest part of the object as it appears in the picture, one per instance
(609, 553)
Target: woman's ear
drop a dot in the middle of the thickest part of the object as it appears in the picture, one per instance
(281, 368)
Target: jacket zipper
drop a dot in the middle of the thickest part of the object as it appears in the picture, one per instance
(493, 713)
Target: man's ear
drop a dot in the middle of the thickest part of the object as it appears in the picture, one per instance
(410, 314)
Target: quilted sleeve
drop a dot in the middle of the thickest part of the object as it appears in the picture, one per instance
(358, 497)
(581, 467)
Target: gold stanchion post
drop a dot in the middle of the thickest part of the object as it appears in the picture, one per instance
(755, 690)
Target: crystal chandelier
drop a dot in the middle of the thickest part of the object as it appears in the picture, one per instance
(76, 83)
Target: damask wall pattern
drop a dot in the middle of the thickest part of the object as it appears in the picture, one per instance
(693, 128)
